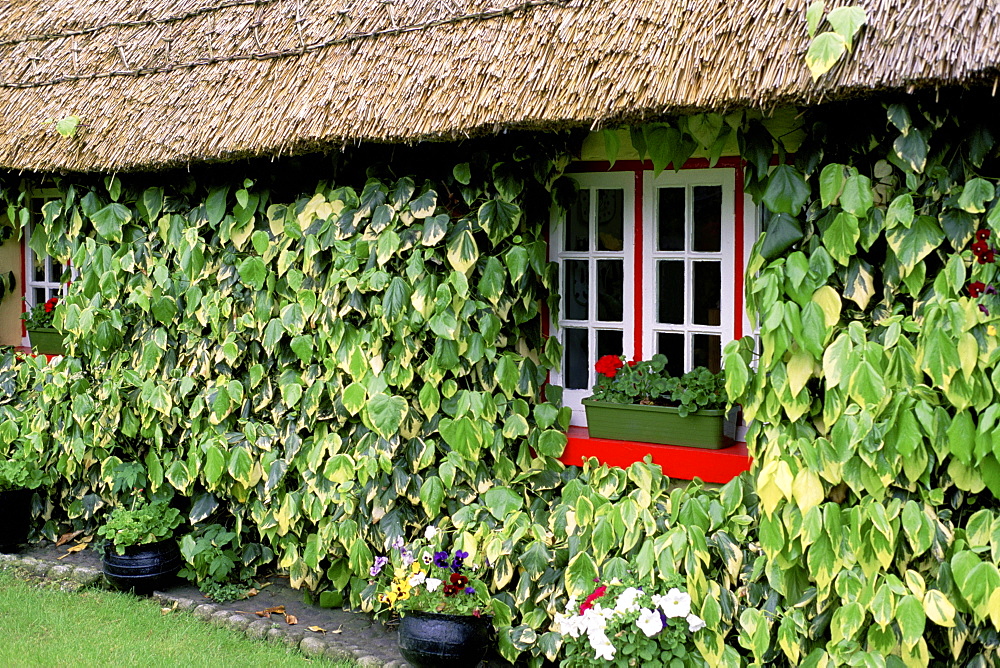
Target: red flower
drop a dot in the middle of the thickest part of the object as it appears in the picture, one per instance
(980, 247)
(976, 289)
(451, 590)
(986, 258)
(589, 601)
(459, 580)
(632, 362)
(51, 304)
(609, 365)
(983, 235)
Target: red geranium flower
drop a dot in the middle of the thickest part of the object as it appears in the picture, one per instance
(589, 601)
(609, 365)
(51, 304)
(983, 235)
(976, 288)
(980, 247)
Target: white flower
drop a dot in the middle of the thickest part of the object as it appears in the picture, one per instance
(430, 533)
(675, 604)
(432, 583)
(626, 600)
(418, 579)
(599, 642)
(695, 623)
(649, 622)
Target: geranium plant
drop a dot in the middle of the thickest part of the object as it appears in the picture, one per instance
(649, 383)
(140, 524)
(422, 576)
(628, 624)
(40, 316)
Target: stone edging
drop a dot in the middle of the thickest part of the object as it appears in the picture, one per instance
(334, 648)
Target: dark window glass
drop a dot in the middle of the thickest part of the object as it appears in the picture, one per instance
(57, 272)
(610, 290)
(40, 272)
(40, 297)
(707, 351)
(577, 363)
(578, 223)
(577, 289)
(670, 291)
(707, 289)
(708, 219)
(672, 345)
(610, 223)
(609, 342)
(670, 225)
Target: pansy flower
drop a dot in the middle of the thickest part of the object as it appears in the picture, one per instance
(976, 288)
(982, 235)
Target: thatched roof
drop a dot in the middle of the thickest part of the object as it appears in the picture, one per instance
(170, 82)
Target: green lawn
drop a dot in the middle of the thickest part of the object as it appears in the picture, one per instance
(47, 627)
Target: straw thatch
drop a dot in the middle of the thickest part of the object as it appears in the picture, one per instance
(170, 82)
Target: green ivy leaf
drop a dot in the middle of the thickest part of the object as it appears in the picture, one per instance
(499, 219)
(911, 148)
(900, 211)
(847, 21)
(462, 436)
(432, 496)
(857, 195)
(841, 238)
(215, 205)
(824, 52)
(831, 183)
(975, 194)
(501, 502)
(914, 244)
(580, 576)
(386, 413)
(253, 272)
(786, 191)
(109, 221)
(611, 145)
(463, 251)
(814, 15)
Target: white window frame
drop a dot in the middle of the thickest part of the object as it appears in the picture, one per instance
(624, 181)
(728, 326)
(688, 179)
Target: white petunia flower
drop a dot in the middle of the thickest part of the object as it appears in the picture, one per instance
(649, 622)
(626, 600)
(432, 583)
(676, 603)
(601, 644)
(430, 533)
(695, 623)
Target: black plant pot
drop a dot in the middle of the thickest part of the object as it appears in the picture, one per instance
(431, 640)
(143, 568)
(15, 519)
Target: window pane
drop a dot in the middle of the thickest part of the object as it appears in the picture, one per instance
(56, 273)
(708, 219)
(578, 223)
(576, 369)
(708, 351)
(610, 290)
(670, 227)
(670, 291)
(577, 289)
(707, 287)
(39, 272)
(40, 297)
(609, 342)
(672, 345)
(610, 225)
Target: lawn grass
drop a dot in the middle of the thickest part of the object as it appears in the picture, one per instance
(44, 626)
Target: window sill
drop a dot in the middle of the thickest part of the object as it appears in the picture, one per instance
(715, 466)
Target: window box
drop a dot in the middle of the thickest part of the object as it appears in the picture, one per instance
(47, 341)
(657, 424)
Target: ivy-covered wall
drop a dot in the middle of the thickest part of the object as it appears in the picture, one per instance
(323, 372)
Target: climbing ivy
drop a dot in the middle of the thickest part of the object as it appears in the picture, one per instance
(873, 398)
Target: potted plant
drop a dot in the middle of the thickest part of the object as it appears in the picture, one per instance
(140, 553)
(446, 610)
(19, 475)
(45, 339)
(628, 624)
(641, 401)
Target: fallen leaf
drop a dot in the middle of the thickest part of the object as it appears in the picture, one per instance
(267, 612)
(86, 539)
(338, 629)
(166, 611)
(317, 629)
(291, 620)
(252, 592)
(67, 537)
(76, 548)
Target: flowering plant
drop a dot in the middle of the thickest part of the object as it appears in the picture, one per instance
(40, 315)
(650, 384)
(627, 624)
(984, 255)
(424, 577)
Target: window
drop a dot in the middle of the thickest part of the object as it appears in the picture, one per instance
(647, 264)
(41, 276)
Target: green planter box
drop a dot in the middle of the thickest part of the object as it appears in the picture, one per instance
(47, 341)
(657, 424)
